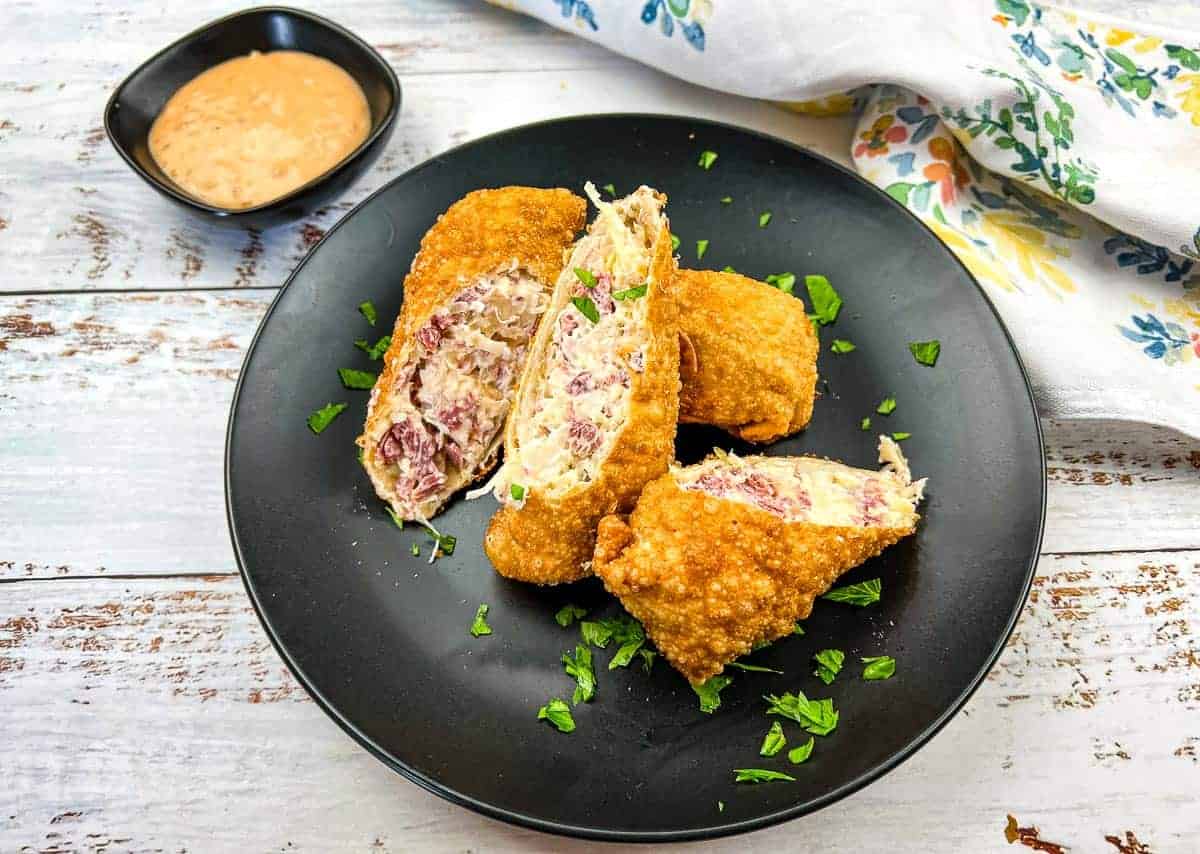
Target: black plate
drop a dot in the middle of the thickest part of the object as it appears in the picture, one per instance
(380, 638)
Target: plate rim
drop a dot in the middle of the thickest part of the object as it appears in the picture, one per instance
(522, 819)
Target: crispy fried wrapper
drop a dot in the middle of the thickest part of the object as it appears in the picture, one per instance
(549, 539)
(710, 577)
(749, 356)
(514, 231)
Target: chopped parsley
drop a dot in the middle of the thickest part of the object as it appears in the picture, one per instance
(829, 664)
(886, 406)
(800, 754)
(720, 806)
(595, 633)
(900, 436)
(925, 352)
(415, 550)
(878, 667)
(558, 713)
(374, 351)
(323, 417)
(568, 614)
(585, 276)
(648, 656)
(727, 200)
(784, 281)
(707, 159)
(701, 248)
(728, 269)
(798, 630)
(587, 308)
(626, 631)
(774, 741)
(764, 219)
(579, 668)
(865, 424)
(862, 594)
(814, 716)
(709, 692)
(358, 454)
(516, 491)
(754, 668)
(759, 775)
(395, 517)
(674, 243)
(445, 542)
(351, 378)
(841, 345)
(367, 308)
(826, 302)
(479, 627)
(610, 189)
(636, 292)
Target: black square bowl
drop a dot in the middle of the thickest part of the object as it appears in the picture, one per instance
(138, 100)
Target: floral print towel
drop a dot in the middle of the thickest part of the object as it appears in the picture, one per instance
(1057, 154)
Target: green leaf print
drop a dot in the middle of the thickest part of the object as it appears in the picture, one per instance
(1018, 10)
(1187, 58)
(1121, 60)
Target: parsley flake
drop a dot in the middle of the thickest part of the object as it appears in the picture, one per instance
(479, 627)
(610, 189)
(886, 406)
(727, 200)
(862, 594)
(579, 668)
(798, 630)
(596, 633)
(817, 717)
(395, 517)
(925, 352)
(323, 417)
(829, 664)
(774, 741)
(415, 550)
(728, 269)
(764, 219)
(709, 692)
(674, 243)
(865, 424)
(707, 159)
(367, 308)
(841, 345)
(516, 491)
(374, 351)
(701, 248)
(636, 292)
(648, 656)
(759, 775)
(826, 302)
(720, 806)
(587, 308)
(878, 667)
(901, 436)
(754, 668)
(585, 276)
(362, 380)
(625, 630)
(568, 614)
(784, 281)
(800, 754)
(558, 713)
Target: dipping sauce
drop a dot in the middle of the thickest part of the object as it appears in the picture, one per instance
(256, 127)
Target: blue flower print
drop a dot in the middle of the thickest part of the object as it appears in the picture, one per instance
(580, 9)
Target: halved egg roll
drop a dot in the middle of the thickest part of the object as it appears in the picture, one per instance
(729, 553)
(472, 300)
(596, 409)
(749, 356)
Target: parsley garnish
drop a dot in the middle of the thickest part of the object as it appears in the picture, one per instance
(763, 644)
(886, 406)
(701, 248)
(841, 345)
(585, 276)
(901, 436)
(610, 189)
(862, 594)
(595, 633)
(323, 417)
(759, 775)
(774, 741)
(579, 667)
(727, 200)
(368, 311)
(626, 631)
(480, 627)
(707, 159)
(879, 667)
(648, 656)
(568, 614)
(754, 668)
(865, 424)
(710, 692)
(445, 542)
(674, 243)
(814, 716)
(798, 630)
(395, 517)
(925, 352)
(784, 281)
(763, 219)
(829, 664)
(720, 806)
(800, 754)
(358, 454)
(558, 713)
(636, 292)
(825, 300)
(728, 269)
(356, 379)
(376, 350)
(415, 550)
(587, 308)
(516, 491)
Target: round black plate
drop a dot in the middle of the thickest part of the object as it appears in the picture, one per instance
(379, 637)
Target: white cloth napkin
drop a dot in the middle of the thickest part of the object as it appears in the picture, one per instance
(1057, 155)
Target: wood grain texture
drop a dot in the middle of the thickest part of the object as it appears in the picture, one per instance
(155, 714)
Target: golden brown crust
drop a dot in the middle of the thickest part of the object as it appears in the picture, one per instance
(754, 372)
(550, 540)
(709, 577)
(481, 233)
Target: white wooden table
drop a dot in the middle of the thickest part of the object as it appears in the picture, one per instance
(142, 707)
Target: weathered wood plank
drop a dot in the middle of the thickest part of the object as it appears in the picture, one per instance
(92, 224)
(154, 714)
(114, 409)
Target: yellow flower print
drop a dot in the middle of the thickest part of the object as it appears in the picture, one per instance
(1190, 96)
(832, 105)
(1025, 247)
(1116, 37)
